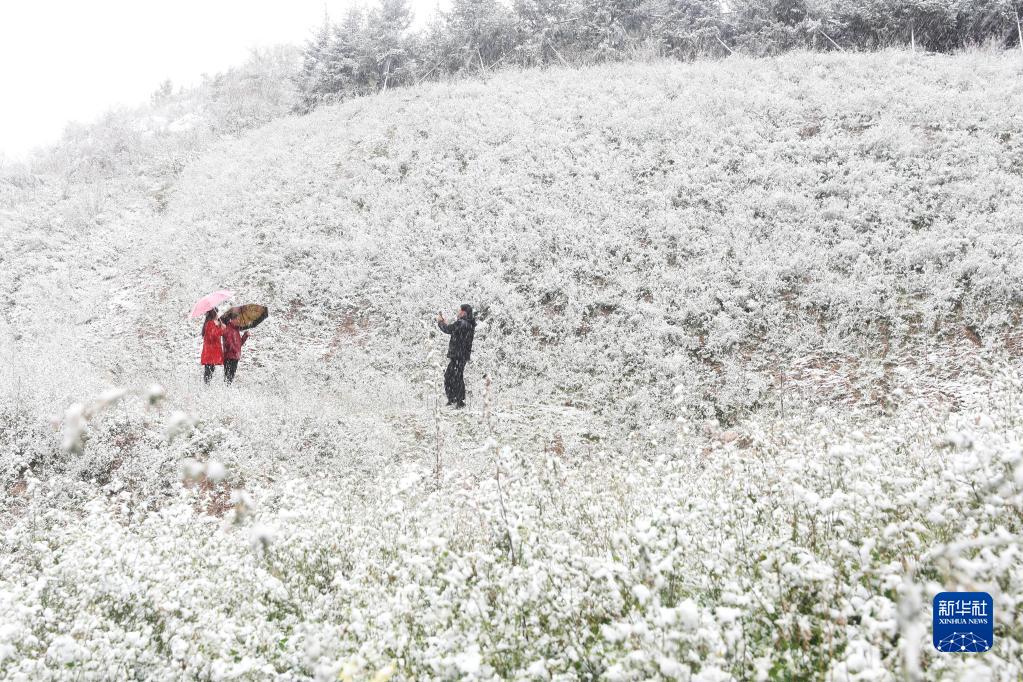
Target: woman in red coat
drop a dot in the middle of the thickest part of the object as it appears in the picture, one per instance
(233, 342)
(212, 352)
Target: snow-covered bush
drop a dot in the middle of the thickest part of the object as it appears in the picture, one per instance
(807, 548)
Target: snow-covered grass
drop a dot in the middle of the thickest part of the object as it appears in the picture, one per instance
(806, 548)
(750, 333)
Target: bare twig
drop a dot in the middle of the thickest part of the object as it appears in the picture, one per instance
(556, 53)
(840, 48)
(438, 443)
(428, 73)
(781, 392)
(504, 513)
(1019, 29)
(487, 405)
(730, 51)
(487, 412)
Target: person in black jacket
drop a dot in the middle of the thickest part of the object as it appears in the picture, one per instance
(462, 331)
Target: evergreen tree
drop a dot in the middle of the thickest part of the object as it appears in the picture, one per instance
(545, 30)
(311, 82)
(391, 48)
(980, 21)
(481, 34)
(351, 70)
(610, 27)
(374, 50)
(763, 27)
(685, 28)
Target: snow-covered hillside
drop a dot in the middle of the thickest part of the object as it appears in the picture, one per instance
(751, 333)
(722, 228)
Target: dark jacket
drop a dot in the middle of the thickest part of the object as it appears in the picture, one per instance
(233, 342)
(460, 344)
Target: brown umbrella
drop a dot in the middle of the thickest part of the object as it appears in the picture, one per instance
(246, 316)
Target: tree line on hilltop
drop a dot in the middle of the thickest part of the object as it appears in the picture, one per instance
(375, 49)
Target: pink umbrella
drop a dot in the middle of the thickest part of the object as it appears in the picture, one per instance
(209, 302)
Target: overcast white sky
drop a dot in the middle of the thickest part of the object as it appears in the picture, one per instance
(72, 60)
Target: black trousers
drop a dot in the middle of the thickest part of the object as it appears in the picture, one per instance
(207, 373)
(230, 367)
(454, 381)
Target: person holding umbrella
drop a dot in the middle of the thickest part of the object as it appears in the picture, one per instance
(212, 330)
(212, 351)
(233, 342)
(222, 342)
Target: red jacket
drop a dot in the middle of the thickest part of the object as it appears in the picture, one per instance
(233, 342)
(212, 353)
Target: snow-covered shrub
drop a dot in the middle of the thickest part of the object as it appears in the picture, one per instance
(807, 548)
